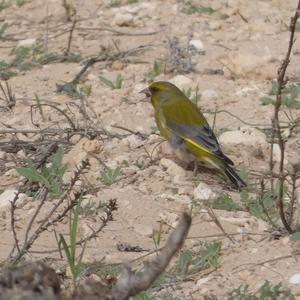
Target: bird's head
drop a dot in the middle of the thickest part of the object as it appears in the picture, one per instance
(161, 91)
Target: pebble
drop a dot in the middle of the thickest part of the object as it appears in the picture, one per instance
(27, 43)
(123, 19)
(203, 192)
(197, 45)
(181, 81)
(246, 136)
(7, 197)
(295, 278)
(248, 65)
(172, 168)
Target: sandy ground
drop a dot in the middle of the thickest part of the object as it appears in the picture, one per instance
(243, 44)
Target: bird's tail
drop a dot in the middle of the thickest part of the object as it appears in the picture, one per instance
(234, 177)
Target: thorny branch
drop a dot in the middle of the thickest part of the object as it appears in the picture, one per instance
(47, 221)
(282, 81)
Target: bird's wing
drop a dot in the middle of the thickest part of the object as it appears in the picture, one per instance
(196, 131)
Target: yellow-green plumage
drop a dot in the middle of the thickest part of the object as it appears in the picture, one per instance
(184, 126)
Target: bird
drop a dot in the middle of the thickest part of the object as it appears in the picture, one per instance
(184, 126)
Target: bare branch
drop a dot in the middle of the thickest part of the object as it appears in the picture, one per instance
(130, 284)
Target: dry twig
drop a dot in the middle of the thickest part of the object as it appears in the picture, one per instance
(281, 82)
(130, 284)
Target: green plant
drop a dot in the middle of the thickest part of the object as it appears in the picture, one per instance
(115, 3)
(265, 292)
(75, 263)
(49, 176)
(157, 69)
(194, 98)
(40, 107)
(264, 208)
(4, 4)
(157, 234)
(109, 176)
(143, 296)
(189, 263)
(20, 2)
(290, 95)
(225, 202)
(3, 28)
(91, 209)
(113, 85)
(191, 8)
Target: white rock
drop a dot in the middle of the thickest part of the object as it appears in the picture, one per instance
(203, 192)
(7, 197)
(2, 155)
(247, 136)
(202, 281)
(295, 278)
(123, 19)
(134, 141)
(27, 43)
(93, 77)
(248, 65)
(181, 81)
(208, 95)
(197, 45)
(172, 168)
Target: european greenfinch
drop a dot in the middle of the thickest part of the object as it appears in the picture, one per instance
(185, 127)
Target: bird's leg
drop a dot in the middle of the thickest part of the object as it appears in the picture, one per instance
(195, 170)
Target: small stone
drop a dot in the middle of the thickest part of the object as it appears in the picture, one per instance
(209, 95)
(248, 136)
(202, 281)
(7, 197)
(2, 155)
(295, 278)
(197, 45)
(203, 192)
(248, 65)
(134, 141)
(92, 77)
(21, 154)
(172, 168)
(244, 275)
(27, 43)
(181, 81)
(117, 65)
(123, 19)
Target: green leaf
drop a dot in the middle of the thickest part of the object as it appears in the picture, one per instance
(243, 173)
(274, 87)
(107, 82)
(119, 82)
(206, 10)
(266, 101)
(295, 236)
(225, 202)
(157, 67)
(32, 175)
(184, 259)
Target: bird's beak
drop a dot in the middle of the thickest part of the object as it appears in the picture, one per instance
(146, 91)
